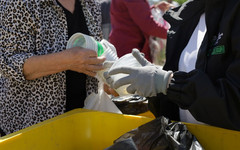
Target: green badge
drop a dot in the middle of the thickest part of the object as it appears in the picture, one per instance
(218, 50)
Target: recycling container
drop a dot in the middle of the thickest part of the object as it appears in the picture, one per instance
(83, 129)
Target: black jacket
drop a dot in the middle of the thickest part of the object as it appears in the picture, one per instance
(211, 92)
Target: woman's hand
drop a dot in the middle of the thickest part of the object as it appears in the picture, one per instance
(76, 59)
(85, 61)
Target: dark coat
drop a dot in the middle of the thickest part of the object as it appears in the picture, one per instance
(211, 92)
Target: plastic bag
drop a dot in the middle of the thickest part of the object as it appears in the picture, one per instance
(101, 101)
(159, 134)
(131, 104)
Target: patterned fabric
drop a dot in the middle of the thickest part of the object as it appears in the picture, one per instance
(28, 28)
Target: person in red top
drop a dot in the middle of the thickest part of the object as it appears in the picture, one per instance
(132, 25)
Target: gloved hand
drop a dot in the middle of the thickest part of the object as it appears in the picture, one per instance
(147, 81)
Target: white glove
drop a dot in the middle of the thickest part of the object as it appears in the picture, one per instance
(147, 81)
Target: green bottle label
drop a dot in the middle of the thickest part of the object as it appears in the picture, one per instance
(100, 49)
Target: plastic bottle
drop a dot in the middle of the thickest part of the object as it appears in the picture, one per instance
(104, 48)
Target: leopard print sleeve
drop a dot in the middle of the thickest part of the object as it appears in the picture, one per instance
(17, 34)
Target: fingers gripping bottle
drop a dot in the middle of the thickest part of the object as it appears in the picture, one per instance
(103, 48)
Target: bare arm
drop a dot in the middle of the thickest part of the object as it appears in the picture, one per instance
(75, 59)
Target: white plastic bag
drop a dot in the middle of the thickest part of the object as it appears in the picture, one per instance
(101, 101)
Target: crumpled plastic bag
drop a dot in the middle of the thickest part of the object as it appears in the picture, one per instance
(101, 101)
(159, 134)
(131, 104)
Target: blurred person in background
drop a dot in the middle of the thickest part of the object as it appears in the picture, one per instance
(40, 78)
(132, 24)
(200, 81)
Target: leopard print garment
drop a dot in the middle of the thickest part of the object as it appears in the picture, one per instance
(28, 28)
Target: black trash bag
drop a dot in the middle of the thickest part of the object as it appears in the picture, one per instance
(131, 104)
(159, 134)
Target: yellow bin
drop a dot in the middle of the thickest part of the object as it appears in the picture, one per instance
(83, 129)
